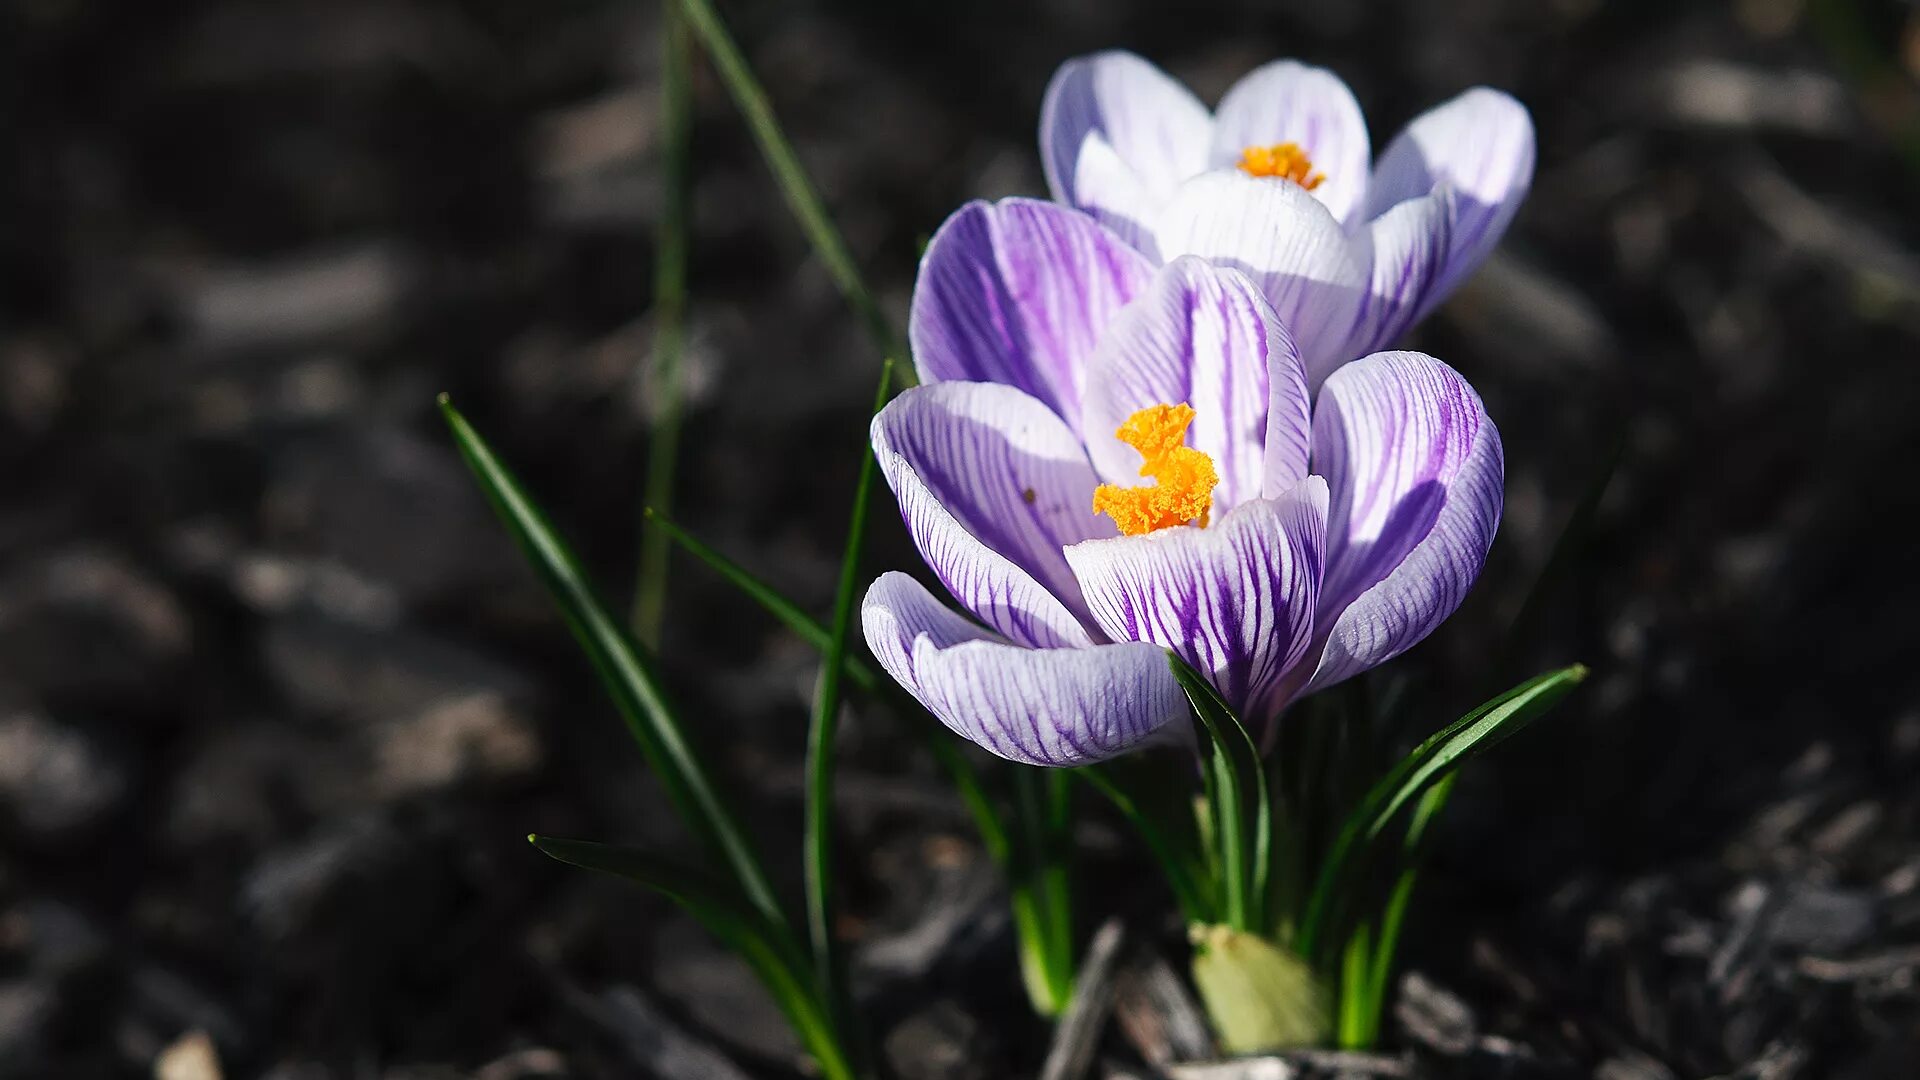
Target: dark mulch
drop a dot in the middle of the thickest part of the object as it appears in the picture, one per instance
(277, 703)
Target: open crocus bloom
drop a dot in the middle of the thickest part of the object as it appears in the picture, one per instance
(1279, 183)
(1110, 460)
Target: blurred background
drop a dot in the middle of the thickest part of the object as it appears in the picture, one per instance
(278, 702)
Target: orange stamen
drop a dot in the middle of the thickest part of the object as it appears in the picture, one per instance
(1183, 478)
(1287, 161)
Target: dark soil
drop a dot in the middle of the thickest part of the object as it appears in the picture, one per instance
(278, 702)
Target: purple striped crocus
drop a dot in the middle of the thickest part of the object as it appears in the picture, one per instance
(1109, 460)
(1279, 183)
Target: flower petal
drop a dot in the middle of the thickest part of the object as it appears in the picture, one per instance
(992, 485)
(1202, 335)
(1481, 145)
(1286, 241)
(1017, 292)
(1287, 101)
(1035, 706)
(1417, 476)
(897, 611)
(1289, 440)
(1235, 600)
(1409, 248)
(1107, 188)
(1154, 125)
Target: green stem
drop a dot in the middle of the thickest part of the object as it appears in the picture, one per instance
(1058, 876)
(1229, 814)
(1393, 917)
(801, 197)
(669, 316)
(1040, 881)
(1354, 966)
(1246, 910)
(818, 843)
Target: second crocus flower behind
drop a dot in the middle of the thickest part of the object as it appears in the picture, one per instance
(1109, 460)
(1280, 182)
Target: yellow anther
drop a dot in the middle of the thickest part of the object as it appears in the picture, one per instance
(1287, 161)
(1183, 478)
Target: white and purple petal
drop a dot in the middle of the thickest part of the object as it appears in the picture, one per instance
(1200, 335)
(992, 486)
(1279, 235)
(1035, 706)
(1154, 125)
(1108, 189)
(1417, 481)
(1235, 600)
(1481, 145)
(1289, 439)
(1017, 292)
(1408, 248)
(1287, 101)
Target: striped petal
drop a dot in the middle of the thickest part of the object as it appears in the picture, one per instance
(1289, 438)
(1034, 706)
(1417, 475)
(1481, 145)
(1202, 335)
(1409, 248)
(1108, 189)
(992, 486)
(1154, 125)
(1286, 241)
(1234, 600)
(1287, 101)
(1017, 292)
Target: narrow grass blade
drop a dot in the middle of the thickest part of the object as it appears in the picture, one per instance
(624, 668)
(802, 199)
(788, 613)
(669, 313)
(1247, 894)
(1039, 881)
(1181, 869)
(766, 947)
(1393, 917)
(1355, 963)
(965, 776)
(818, 843)
(1478, 731)
(1057, 874)
(1567, 547)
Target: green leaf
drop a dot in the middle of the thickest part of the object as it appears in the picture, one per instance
(1045, 986)
(1245, 861)
(817, 845)
(669, 313)
(1354, 966)
(1041, 886)
(1393, 917)
(1260, 996)
(1481, 729)
(624, 668)
(1567, 547)
(1182, 870)
(776, 604)
(766, 947)
(802, 199)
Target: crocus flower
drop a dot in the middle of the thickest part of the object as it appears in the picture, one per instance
(1279, 182)
(1109, 460)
